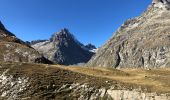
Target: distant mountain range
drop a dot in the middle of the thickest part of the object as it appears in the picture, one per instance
(62, 48)
(141, 42)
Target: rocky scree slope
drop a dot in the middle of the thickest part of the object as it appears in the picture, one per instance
(143, 41)
(15, 50)
(63, 48)
(43, 82)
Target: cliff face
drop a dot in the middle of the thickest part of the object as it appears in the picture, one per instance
(15, 50)
(165, 3)
(143, 41)
(63, 48)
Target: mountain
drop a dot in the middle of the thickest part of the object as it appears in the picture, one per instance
(7, 36)
(162, 3)
(141, 42)
(34, 42)
(63, 48)
(15, 50)
(91, 47)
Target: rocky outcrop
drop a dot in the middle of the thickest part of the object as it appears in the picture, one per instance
(15, 50)
(162, 3)
(140, 42)
(63, 48)
(42, 82)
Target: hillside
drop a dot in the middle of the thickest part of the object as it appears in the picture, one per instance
(15, 50)
(133, 65)
(141, 42)
(55, 82)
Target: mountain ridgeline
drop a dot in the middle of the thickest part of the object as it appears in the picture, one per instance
(141, 42)
(15, 50)
(63, 48)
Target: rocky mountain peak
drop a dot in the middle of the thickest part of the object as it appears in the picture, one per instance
(161, 3)
(62, 33)
(64, 37)
(64, 48)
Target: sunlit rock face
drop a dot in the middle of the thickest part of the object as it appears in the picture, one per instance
(142, 42)
(63, 48)
(162, 3)
(15, 50)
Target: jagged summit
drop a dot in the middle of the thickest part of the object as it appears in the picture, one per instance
(63, 36)
(63, 48)
(64, 33)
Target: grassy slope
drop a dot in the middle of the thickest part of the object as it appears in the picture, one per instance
(45, 79)
(157, 80)
(43, 75)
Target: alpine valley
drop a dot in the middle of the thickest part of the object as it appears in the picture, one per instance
(133, 65)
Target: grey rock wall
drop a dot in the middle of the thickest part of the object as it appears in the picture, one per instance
(64, 48)
(142, 42)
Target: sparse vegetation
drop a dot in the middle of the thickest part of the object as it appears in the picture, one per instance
(142, 42)
(155, 80)
(43, 81)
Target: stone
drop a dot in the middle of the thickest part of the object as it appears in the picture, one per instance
(166, 3)
(63, 48)
(15, 50)
(141, 42)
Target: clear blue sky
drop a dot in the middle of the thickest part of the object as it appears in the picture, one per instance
(91, 21)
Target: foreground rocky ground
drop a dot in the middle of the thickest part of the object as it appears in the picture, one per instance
(54, 82)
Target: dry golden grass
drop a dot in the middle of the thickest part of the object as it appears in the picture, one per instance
(156, 80)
